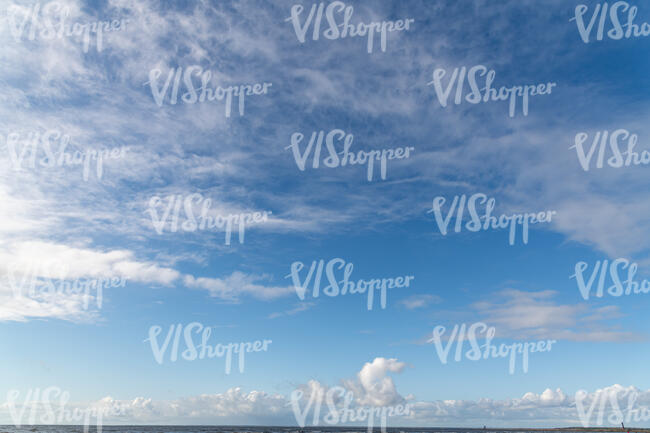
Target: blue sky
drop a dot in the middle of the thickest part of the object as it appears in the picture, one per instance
(101, 227)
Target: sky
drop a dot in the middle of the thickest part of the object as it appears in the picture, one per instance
(107, 162)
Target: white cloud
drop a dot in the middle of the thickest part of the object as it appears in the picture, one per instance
(166, 140)
(64, 306)
(373, 386)
(420, 301)
(52, 260)
(23, 262)
(520, 314)
(550, 408)
(237, 284)
(299, 308)
(26, 265)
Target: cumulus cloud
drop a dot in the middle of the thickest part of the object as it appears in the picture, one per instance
(372, 387)
(232, 404)
(604, 407)
(551, 408)
(375, 387)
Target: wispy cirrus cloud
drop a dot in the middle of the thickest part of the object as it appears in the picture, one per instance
(41, 280)
(237, 285)
(420, 301)
(299, 308)
(536, 315)
(173, 148)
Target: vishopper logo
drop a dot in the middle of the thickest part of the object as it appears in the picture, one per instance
(600, 270)
(616, 405)
(618, 12)
(24, 151)
(369, 158)
(345, 284)
(333, 13)
(341, 409)
(487, 93)
(487, 220)
(617, 159)
(463, 333)
(160, 91)
(52, 406)
(205, 219)
(50, 21)
(50, 281)
(193, 352)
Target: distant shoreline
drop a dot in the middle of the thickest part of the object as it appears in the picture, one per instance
(267, 428)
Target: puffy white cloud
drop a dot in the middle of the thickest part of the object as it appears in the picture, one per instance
(372, 388)
(378, 389)
(232, 404)
(551, 408)
(608, 406)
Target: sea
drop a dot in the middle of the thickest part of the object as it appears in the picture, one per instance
(261, 429)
